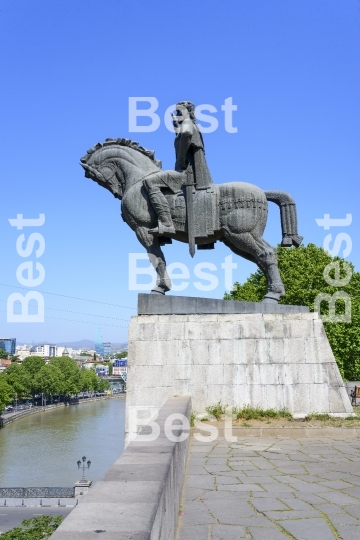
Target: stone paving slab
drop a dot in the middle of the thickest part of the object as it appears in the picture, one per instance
(272, 489)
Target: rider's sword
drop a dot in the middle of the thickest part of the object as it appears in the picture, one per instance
(190, 209)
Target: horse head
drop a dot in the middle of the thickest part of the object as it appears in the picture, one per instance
(115, 166)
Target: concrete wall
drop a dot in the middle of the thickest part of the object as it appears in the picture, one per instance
(265, 360)
(139, 496)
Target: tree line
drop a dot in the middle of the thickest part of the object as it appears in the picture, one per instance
(61, 376)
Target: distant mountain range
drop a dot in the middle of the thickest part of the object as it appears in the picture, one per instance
(81, 344)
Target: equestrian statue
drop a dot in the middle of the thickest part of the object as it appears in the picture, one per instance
(185, 204)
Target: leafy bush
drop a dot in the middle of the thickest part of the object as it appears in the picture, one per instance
(37, 528)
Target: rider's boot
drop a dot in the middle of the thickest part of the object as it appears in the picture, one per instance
(165, 224)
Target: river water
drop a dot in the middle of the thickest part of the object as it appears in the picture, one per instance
(42, 449)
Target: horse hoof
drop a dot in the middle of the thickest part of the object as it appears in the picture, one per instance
(269, 301)
(296, 240)
(292, 240)
(271, 298)
(157, 290)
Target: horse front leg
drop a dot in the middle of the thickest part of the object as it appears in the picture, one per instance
(152, 245)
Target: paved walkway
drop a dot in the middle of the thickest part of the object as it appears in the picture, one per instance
(272, 489)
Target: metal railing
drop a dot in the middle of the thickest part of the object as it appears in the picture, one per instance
(36, 492)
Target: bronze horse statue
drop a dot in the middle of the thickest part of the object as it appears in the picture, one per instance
(236, 211)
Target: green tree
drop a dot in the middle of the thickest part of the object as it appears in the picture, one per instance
(90, 381)
(6, 393)
(104, 384)
(15, 376)
(121, 354)
(3, 354)
(302, 271)
(71, 374)
(34, 529)
(31, 366)
(49, 380)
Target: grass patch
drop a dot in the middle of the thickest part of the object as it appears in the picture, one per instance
(255, 413)
(277, 417)
(327, 417)
(217, 410)
(248, 413)
(315, 416)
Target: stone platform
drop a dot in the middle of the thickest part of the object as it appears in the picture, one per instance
(267, 360)
(158, 304)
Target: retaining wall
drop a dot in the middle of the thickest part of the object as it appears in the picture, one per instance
(139, 496)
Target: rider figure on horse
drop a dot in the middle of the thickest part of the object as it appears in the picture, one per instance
(189, 151)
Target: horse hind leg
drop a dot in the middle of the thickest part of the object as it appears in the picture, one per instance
(152, 245)
(288, 215)
(265, 257)
(276, 289)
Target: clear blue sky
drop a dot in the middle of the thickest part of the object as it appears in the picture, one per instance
(68, 69)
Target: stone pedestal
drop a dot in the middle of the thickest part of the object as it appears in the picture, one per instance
(268, 360)
(81, 488)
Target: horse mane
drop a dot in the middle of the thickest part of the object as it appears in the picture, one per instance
(126, 142)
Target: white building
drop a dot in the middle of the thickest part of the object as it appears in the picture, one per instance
(44, 350)
(23, 351)
(120, 371)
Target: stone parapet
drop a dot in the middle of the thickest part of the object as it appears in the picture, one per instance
(139, 496)
(263, 360)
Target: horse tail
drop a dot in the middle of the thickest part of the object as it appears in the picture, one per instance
(288, 215)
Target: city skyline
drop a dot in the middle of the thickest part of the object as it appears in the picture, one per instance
(81, 343)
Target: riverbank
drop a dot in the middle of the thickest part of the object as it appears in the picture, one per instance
(11, 417)
(43, 449)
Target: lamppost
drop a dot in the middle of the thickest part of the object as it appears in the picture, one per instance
(81, 465)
